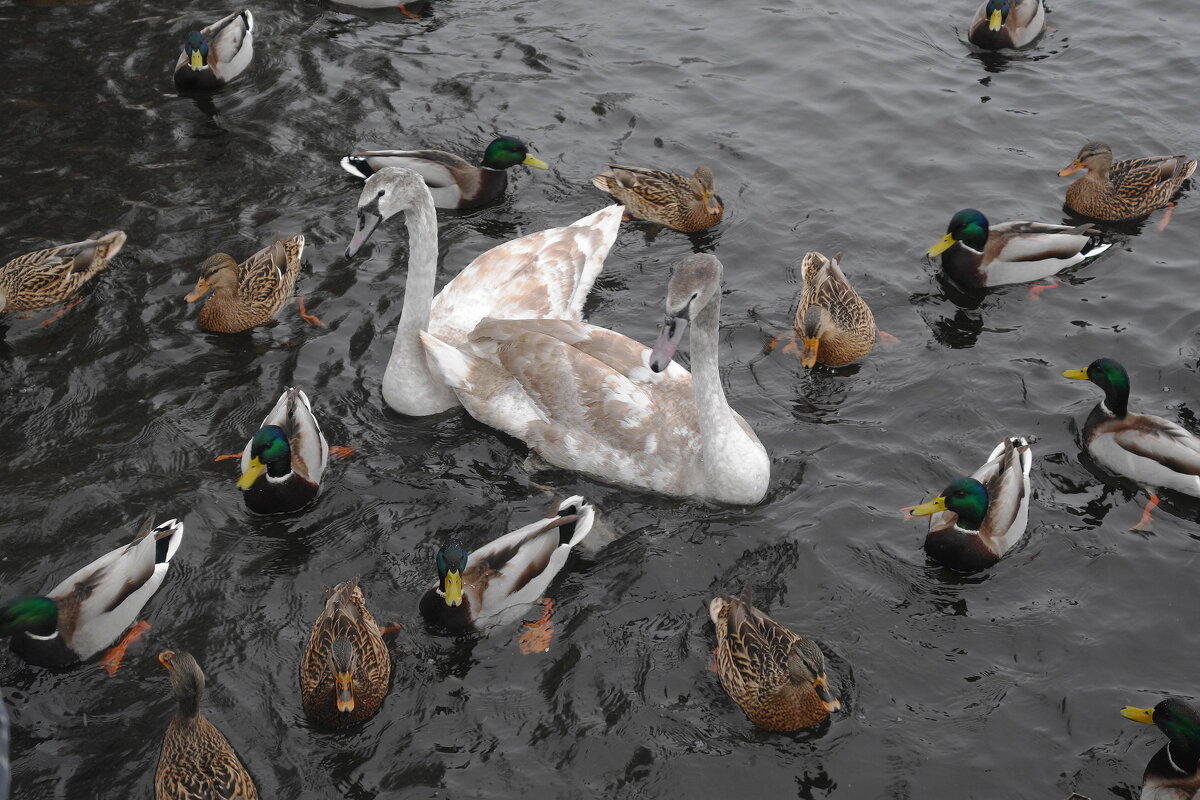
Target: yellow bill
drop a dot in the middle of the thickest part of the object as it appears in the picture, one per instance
(995, 21)
(251, 474)
(943, 244)
(808, 358)
(1145, 715)
(197, 60)
(932, 507)
(533, 161)
(453, 588)
(1076, 374)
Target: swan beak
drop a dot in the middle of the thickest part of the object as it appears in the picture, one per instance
(944, 244)
(202, 287)
(711, 203)
(453, 588)
(995, 20)
(808, 358)
(925, 509)
(367, 222)
(251, 474)
(165, 657)
(533, 161)
(343, 687)
(1145, 715)
(1070, 169)
(669, 337)
(1076, 374)
(831, 703)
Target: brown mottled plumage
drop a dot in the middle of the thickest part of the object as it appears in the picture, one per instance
(1126, 189)
(48, 277)
(196, 761)
(366, 662)
(835, 324)
(776, 676)
(249, 294)
(685, 204)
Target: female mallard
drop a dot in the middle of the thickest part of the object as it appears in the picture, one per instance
(283, 462)
(835, 324)
(1000, 24)
(453, 181)
(497, 583)
(249, 294)
(1142, 447)
(976, 255)
(93, 606)
(777, 677)
(346, 667)
(217, 54)
(1126, 189)
(1174, 771)
(47, 277)
(685, 204)
(976, 520)
(196, 760)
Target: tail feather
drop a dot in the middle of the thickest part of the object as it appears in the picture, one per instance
(357, 166)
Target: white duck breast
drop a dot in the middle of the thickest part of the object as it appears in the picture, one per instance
(293, 412)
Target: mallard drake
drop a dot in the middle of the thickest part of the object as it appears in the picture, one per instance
(47, 277)
(217, 54)
(835, 324)
(976, 255)
(1000, 24)
(1142, 447)
(1174, 771)
(543, 274)
(249, 294)
(976, 520)
(1126, 189)
(685, 204)
(346, 667)
(497, 583)
(283, 462)
(776, 676)
(588, 399)
(196, 760)
(92, 607)
(453, 181)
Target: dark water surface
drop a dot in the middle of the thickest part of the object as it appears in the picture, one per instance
(837, 126)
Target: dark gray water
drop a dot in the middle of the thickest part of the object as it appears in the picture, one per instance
(838, 126)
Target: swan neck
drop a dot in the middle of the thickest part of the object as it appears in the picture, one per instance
(714, 409)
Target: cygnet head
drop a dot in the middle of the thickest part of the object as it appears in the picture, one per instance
(385, 194)
(695, 283)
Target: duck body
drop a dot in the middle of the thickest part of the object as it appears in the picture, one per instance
(1174, 771)
(284, 461)
(835, 324)
(90, 608)
(216, 54)
(496, 583)
(677, 201)
(249, 294)
(594, 401)
(1126, 189)
(1004, 24)
(48, 277)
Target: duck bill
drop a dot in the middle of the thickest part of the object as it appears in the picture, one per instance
(452, 588)
(711, 203)
(251, 474)
(995, 20)
(669, 337)
(343, 685)
(943, 244)
(925, 509)
(202, 287)
(1145, 715)
(1070, 169)
(533, 161)
(196, 60)
(368, 221)
(831, 703)
(1076, 374)
(808, 357)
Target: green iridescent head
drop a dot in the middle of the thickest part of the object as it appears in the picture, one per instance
(37, 615)
(1109, 376)
(270, 453)
(966, 497)
(508, 151)
(1181, 724)
(967, 226)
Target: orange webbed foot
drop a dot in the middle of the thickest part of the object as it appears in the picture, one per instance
(395, 626)
(112, 659)
(1162, 226)
(790, 347)
(58, 314)
(886, 338)
(307, 317)
(407, 13)
(341, 451)
(228, 456)
(712, 662)
(1145, 523)
(537, 635)
(1036, 290)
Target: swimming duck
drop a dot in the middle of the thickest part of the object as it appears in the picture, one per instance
(685, 204)
(217, 54)
(283, 462)
(47, 277)
(1126, 189)
(976, 255)
(588, 399)
(497, 583)
(93, 606)
(346, 667)
(543, 274)
(1000, 24)
(976, 520)
(196, 760)
(249, 294)
(453, 181)
(1174, 771)
(1142, 447)
(835, 324)
(776, 676)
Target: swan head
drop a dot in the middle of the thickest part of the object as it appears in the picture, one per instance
(695, 283)
(385, 194)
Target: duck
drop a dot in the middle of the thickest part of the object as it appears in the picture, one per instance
(1174, 771)
(452, 180)
(543, 274)
(196, 760)
(498, 582)
(677, 201)
(346, 667)
(976, 520)
(1126, 189)
(1144, 448)
(217, 54)
(588, 399)
(94, 605)
(777, 677)
(834, 323)
(1004, 24)
(283, 462)
(249, 294)
(48, 277)
(976, 255)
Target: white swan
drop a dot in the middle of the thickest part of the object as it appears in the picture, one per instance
(588, 399)
(545, 274)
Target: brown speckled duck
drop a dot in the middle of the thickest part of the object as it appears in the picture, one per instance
(1126, 189)
(47, 277)
(836, 326)
(685, 204)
